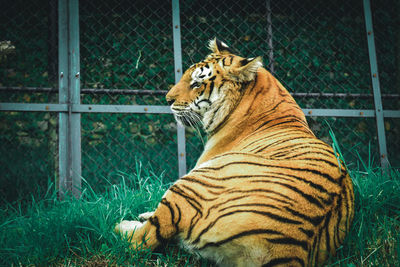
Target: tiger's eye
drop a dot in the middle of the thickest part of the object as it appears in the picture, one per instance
(195, 85)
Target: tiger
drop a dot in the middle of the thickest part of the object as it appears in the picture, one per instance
(265, 191)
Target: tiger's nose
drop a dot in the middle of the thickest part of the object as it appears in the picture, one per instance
(170, 102)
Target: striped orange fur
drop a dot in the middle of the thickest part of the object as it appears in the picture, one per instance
(265, 191)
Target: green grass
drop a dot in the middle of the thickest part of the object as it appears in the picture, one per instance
(48, 232)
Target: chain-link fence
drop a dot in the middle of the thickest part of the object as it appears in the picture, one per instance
(317, 49)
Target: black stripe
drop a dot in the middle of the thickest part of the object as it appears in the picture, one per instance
(339, 218)
(192, 224)
(318, 245)
(284, 118)
(231, 58)
(310, 198)
(222, 203)
(284, 150)
(309, 233)
(246, 86)
(284, 132)
(283, 260)
(300, 127)
(280, 150)
(241, 197)
(264, 146)
(179, 216)
(196, 104)
(212, 118)
(271, 110)
(325, 175)
(302, 153)
(289, 241)
(245, 176)
(318, 187)
(346, 202)
(274, 119)
(327, 235)
(326, 201)
(279, 142)
(250, 205)
(198, 195)
(154, 221)
(260, 190)
(288, 121)
(239, 235)
(263, 213)
(211, 89)
(190, 200)
(194, 180)
(313, 220)
(203, 100)
(311, 255)
(307, 144)
(171, 210)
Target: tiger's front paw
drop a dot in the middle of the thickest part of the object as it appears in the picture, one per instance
(127, 227)
(145, 216)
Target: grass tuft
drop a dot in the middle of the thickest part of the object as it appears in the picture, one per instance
(74, 232)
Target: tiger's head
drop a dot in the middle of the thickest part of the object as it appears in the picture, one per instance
(210, 89)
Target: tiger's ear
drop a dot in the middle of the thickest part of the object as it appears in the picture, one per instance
(245, 70)
(219, 47)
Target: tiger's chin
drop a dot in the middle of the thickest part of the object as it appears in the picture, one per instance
(182, 120)
(188, 119)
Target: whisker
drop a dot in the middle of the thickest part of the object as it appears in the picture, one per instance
(196, 120)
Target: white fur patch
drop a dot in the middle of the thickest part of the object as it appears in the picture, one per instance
(224, 45)
(128, 226)
(145, 216)
(200, 74)
(201, 71)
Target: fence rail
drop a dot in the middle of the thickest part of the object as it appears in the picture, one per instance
(74, 102)
(164, 92)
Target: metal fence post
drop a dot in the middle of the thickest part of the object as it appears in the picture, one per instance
(63, 96)
(375, 85)
(269, 39)
(69, 93)
(176, 29)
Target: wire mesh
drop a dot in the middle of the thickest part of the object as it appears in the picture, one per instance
(321, 47)
(112, 144)
(28, 154)
(126, 46)
(28, 51)
(392, 128)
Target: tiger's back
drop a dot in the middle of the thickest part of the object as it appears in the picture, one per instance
(265, 191)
